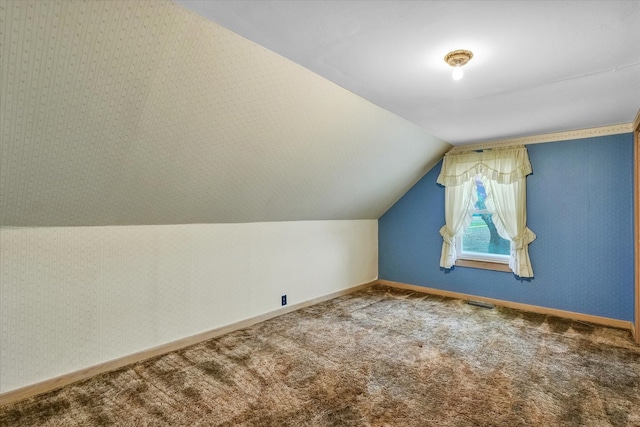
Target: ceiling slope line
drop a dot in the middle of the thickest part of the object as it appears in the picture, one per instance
(555, 82)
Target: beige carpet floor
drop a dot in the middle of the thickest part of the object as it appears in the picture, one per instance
(378, 357)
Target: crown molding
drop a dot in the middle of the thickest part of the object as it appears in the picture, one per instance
(636, 122)
(550, 137)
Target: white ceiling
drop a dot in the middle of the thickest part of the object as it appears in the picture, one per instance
(538, 66)
(143, 112)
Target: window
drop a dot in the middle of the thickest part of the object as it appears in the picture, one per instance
(485, 209)
(481, 240)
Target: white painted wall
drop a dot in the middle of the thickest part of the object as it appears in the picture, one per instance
(77, 296)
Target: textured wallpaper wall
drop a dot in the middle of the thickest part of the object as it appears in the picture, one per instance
(129, 112)
(77, 296)
(579, 204)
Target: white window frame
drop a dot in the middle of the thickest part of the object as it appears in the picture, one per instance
(478, 256)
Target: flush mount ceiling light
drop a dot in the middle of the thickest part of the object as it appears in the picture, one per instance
(457, 59)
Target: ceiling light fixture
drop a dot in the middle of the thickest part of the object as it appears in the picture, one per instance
(457, 59)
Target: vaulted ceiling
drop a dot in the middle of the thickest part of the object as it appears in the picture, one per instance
(538, 66)
(142, 112)
(149, 112)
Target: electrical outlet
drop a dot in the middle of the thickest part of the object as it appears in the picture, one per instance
(284, 300)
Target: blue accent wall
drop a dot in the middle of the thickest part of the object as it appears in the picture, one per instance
(579, 204)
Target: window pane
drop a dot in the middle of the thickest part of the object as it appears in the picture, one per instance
(482, 237)
(482, 194)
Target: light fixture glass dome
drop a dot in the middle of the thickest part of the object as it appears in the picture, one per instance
(457, 73)
(457, 59)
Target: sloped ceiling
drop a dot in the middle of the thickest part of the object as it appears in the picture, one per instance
(143, 112)
(538, 66)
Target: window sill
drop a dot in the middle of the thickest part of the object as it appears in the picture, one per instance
(495, 266)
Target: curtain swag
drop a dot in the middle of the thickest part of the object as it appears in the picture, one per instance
(503, 173)
(502, 165)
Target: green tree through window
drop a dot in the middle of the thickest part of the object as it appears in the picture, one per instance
(482, 236)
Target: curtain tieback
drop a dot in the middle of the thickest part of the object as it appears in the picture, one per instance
(447, 236)
(524, 238)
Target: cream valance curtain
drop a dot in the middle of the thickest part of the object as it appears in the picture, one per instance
(503, 173)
